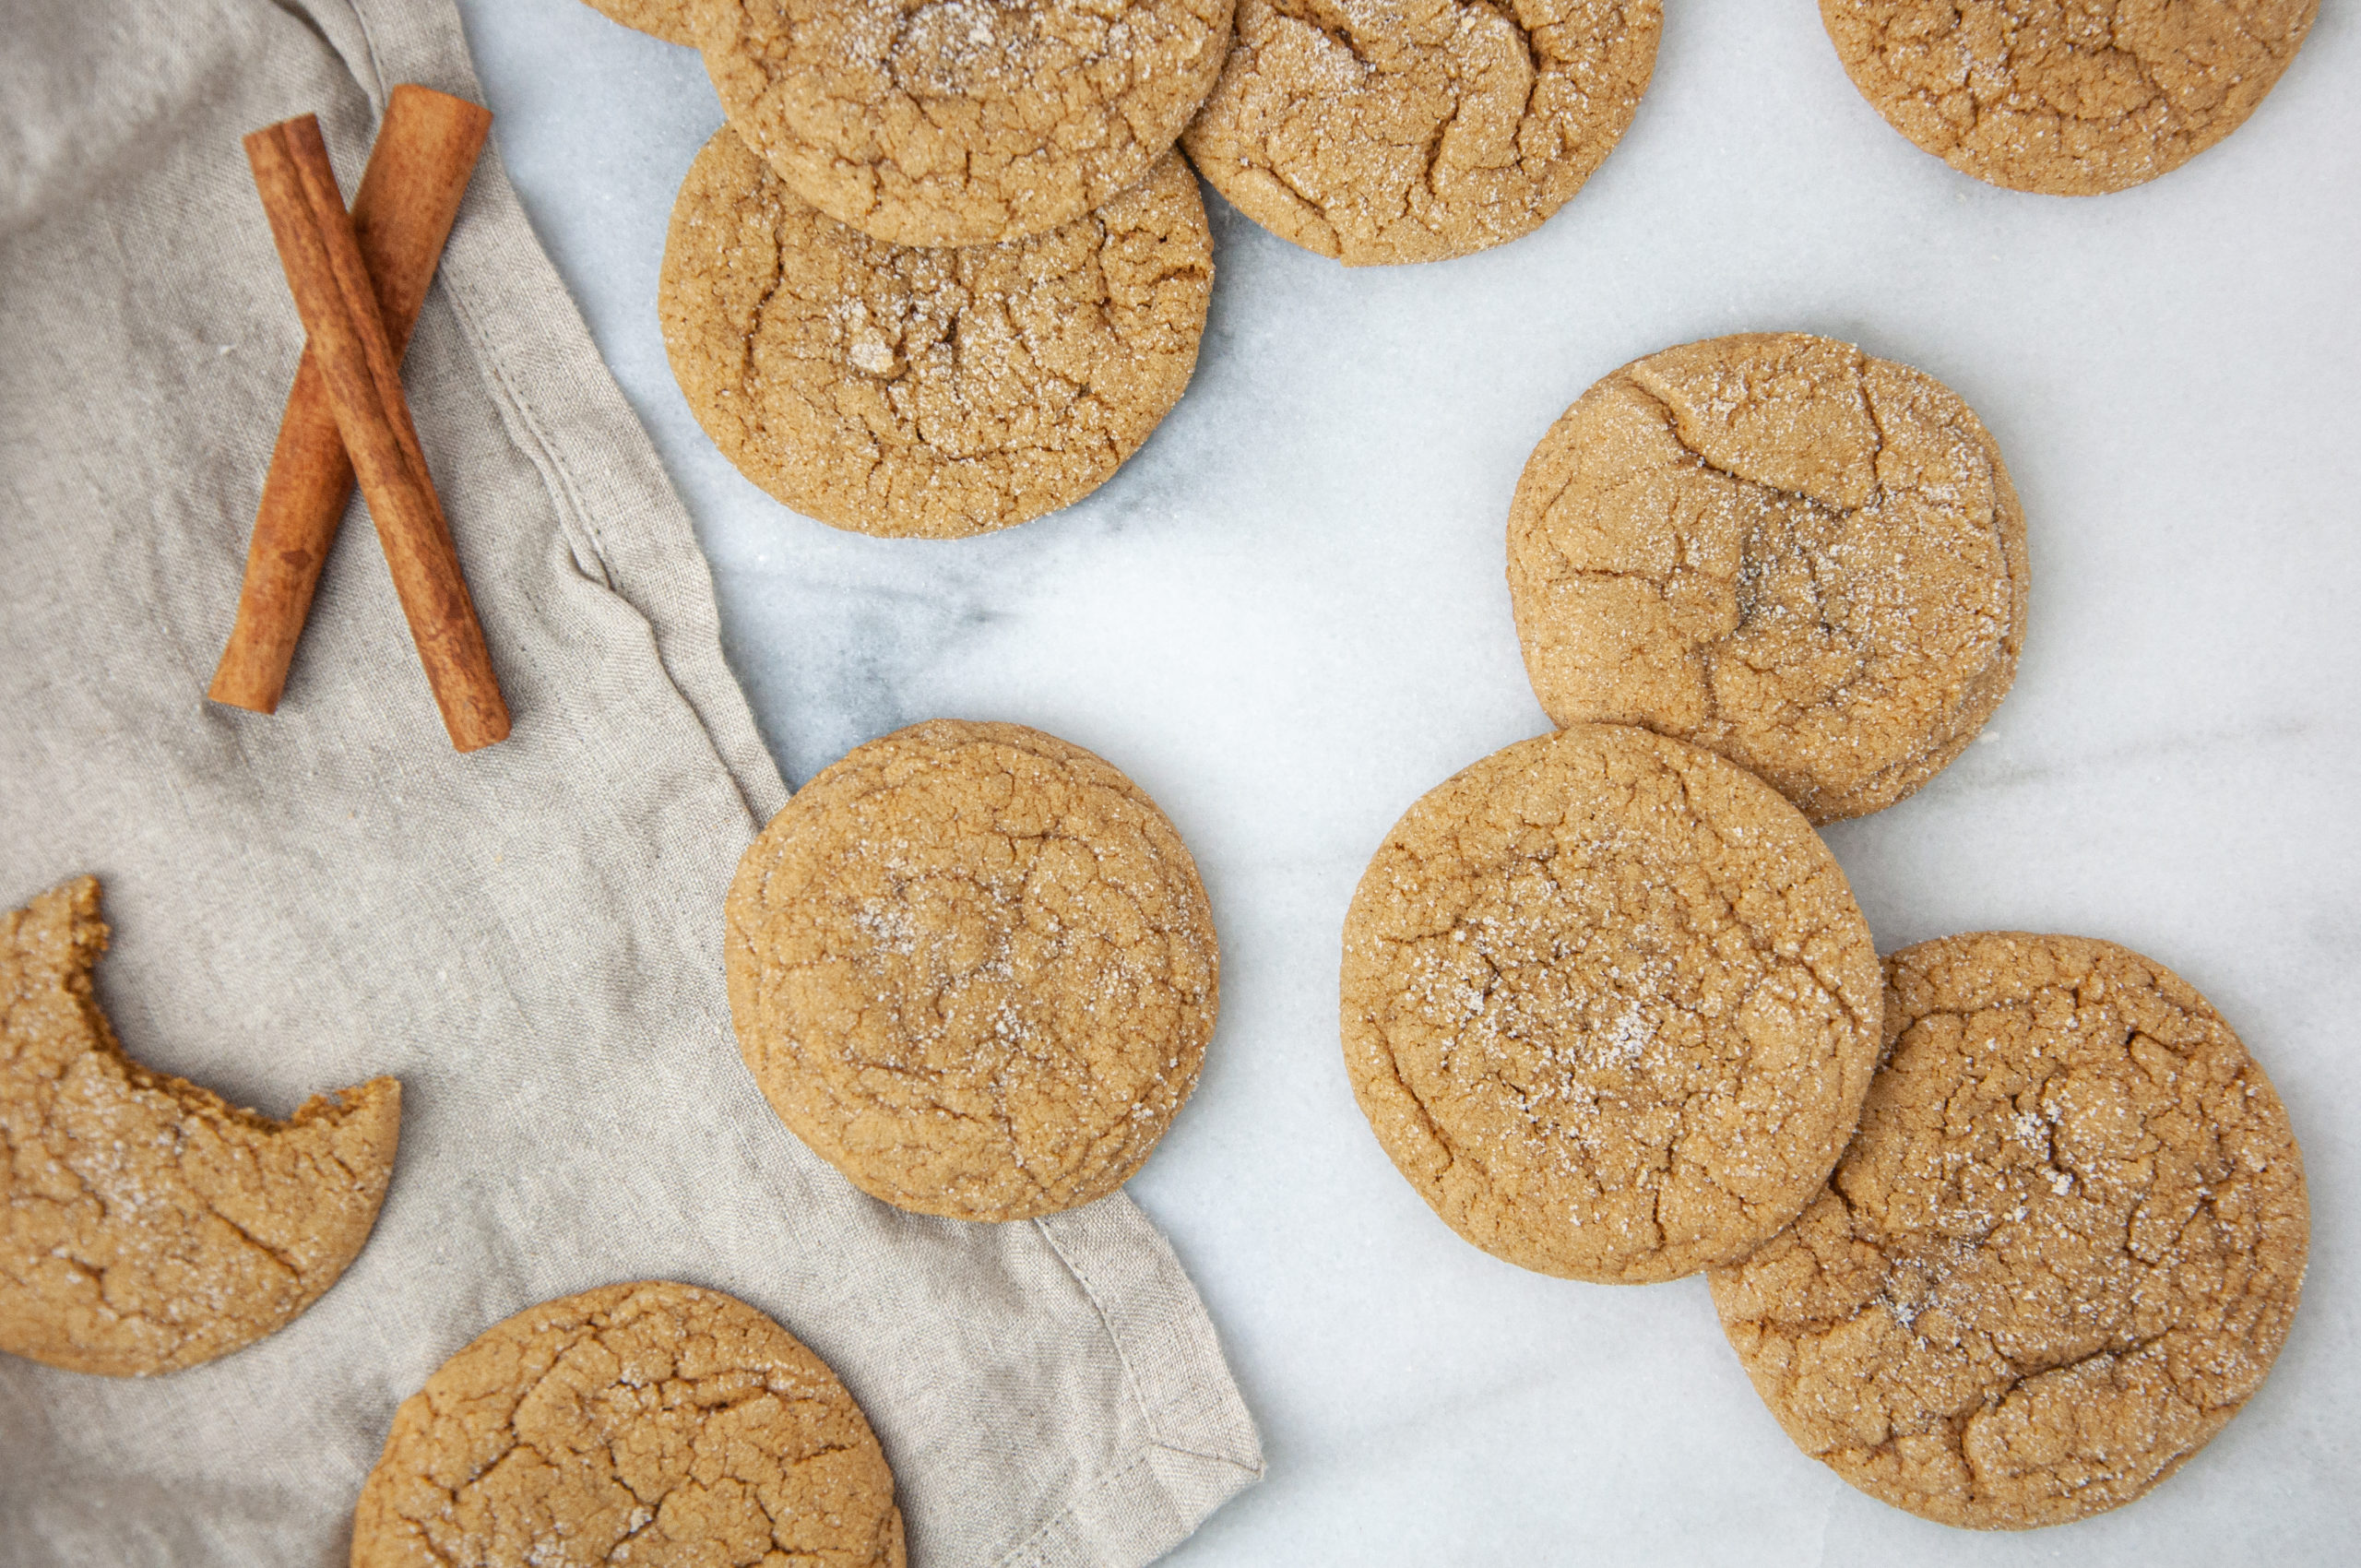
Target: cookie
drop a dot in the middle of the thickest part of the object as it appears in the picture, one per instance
(929, 394)
(1778, 548)
(145, 1225)
(2061, 1251)
(1608, 1005)
(667, 19)
(647, 1423)
(2066, 97)
(1414, 130)
(961, 122)
(973, 968)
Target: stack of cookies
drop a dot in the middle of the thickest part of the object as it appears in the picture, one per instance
(2003, 1230)
(943, 270)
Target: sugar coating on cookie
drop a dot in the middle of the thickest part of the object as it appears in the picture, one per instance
(2066, 97)
(973, 968)
(929, 394)
(145, 1225)
(1610, 1005)
(650, 1422)
(1381, 131)
(1777, 547)
(668, 20)
(2063, 1248)
(961, 122)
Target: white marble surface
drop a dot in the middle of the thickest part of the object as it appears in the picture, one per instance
(1287, 619)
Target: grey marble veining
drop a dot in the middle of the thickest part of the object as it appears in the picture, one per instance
(1287, 618)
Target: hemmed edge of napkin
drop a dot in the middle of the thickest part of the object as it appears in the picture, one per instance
(1206, 1449)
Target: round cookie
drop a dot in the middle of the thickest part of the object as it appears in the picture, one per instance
(961, 122)
(2061, 1251)
(1382, 131)
(2066, 97)
(650, 1423)
(667, 19)
(1778, 548)
(145, 1225)
(973, 968)
(929, 394)
(1610, 1005)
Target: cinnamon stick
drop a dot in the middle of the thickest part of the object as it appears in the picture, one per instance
(363, 379)
(427, 146)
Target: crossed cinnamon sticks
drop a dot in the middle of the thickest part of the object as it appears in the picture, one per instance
(359, 282)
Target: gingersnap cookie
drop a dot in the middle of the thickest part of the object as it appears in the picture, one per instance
(667, 19)
(641, 1423)
(973, 968)
(961, 122)
(929, 394)
(1610, 1005)
(2066, 97)
(145, 1225)
(1778, 548)
(1416, 130)
(2062, 1250)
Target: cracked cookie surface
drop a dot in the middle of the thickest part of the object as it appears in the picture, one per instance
(2061, 1251)
(145, 1225)
(667, 19)
(928, 392)
(645, 1423)
(973, 968)
(2066, 97)
(1608, 1005)
(1783, 550)
(961, 122)
(1385, 131)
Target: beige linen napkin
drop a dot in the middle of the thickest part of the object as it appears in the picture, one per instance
(529, 937)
